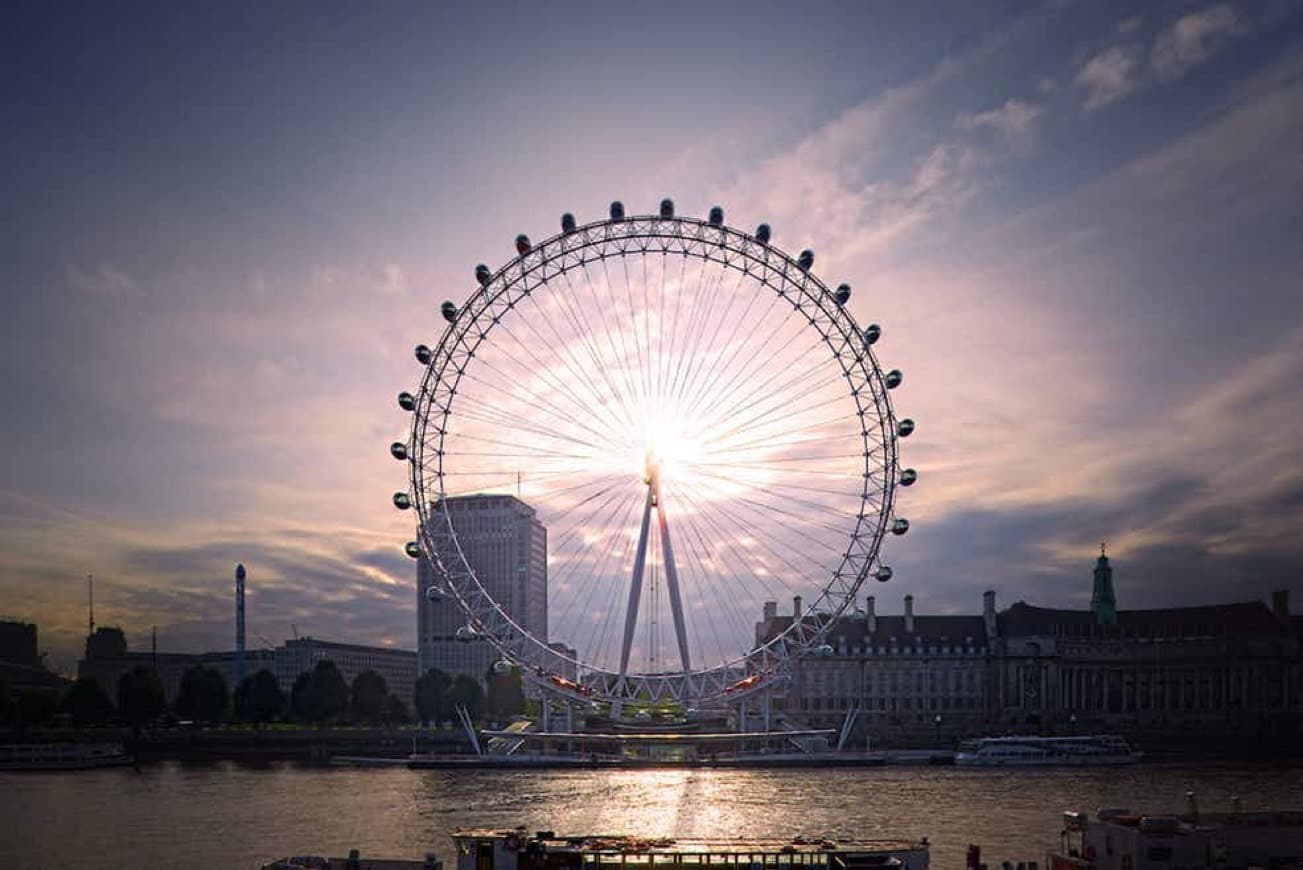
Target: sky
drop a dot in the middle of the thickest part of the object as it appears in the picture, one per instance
(225, 228)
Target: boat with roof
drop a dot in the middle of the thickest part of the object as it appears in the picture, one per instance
(1033, 751)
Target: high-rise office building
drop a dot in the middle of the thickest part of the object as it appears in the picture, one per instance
(506, 546)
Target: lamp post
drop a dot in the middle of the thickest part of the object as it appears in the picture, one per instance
(937, 722)
(1072, 724)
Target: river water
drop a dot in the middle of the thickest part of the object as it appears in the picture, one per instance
(236, 816)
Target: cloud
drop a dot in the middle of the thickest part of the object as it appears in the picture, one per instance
(1192, 40)
(1015, 120)
(1109, 76)
(105, 280)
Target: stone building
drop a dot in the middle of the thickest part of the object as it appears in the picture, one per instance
(1233, 665)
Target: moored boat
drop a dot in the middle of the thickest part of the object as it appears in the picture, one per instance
(1119, 839)
(61, 756)
(517, 850)
(1034, 751)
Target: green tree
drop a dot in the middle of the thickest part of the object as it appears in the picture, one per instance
(203, 696)
(466, 692)
(140, 695)
(396, 711)
(506, 694)
(431, 696)
(323, 696)
(369, 696)
(299, 696)
(87, 703)
(259, 698)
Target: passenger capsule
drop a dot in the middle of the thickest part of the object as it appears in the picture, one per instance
(423, 354)
(407, 401)
(522, 244)
(806, 260)
(842, 294)
(465, 633)
(398, 450)
(883, 574)
(893, 379)
(667, 208)
(402, 501)
(412, 549)
(900, 526)
(567, 223)
(825, 650)
(908, 476)
(617, 211)
(762, 234)
(482, 274)
(872, 333)
(904, 427)
(501, 666)
(449, 312)
(434, 593)
(716, 217)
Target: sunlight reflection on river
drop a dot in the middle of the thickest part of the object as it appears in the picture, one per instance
(235, 816)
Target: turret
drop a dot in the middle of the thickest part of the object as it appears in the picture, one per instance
(988, 613)
(1102, 601)
(909, 614)
(870, 616)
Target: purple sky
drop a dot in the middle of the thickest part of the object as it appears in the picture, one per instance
(224, 230)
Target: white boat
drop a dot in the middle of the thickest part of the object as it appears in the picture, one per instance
(1033, 751)
(61, 756)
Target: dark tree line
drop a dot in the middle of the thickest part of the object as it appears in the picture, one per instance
(438, 696)
(319, 696)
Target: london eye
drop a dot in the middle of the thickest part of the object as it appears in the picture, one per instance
(700, 424)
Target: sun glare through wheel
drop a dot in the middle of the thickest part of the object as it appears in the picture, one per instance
(699, 423)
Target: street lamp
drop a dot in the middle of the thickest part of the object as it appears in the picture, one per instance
(1072, 724)
(937, 722)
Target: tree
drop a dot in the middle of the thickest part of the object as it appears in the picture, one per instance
(466, 692)
(431, 694)
(299, 696)
(87, 703)
(506, 695)
(140, 696)
(323, 696)
(259, 698)
(396, 711)
(369, 697)
(202, 696)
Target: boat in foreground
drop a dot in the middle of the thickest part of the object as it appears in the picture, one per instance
(517, 849)
(1118, 839)
(1033, 751)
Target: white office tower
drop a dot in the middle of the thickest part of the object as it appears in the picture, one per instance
(506, 545)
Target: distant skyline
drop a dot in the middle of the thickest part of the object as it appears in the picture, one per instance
(226, 228)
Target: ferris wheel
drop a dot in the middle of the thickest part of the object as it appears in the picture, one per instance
(700, 425)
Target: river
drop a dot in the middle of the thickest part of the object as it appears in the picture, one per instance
(236, 816)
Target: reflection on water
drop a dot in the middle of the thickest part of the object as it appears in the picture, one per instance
(237, 816)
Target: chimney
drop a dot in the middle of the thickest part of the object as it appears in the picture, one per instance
(909, 614)
(988, 613)
(796, 607)
(1280, 604)
(771, 611)
(870, 617)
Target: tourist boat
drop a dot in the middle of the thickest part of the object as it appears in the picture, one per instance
(61, 756)
(1119, 839)
(1030, 751)
(518, 850)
